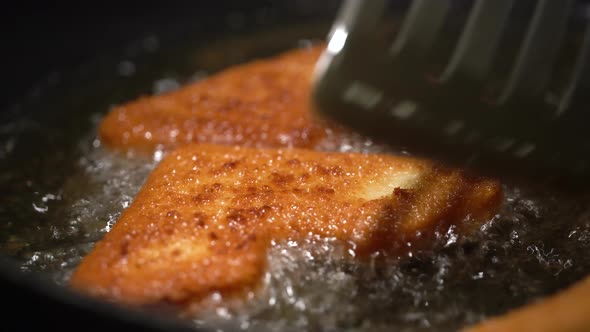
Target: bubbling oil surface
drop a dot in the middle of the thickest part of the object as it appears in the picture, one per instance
(61, 198)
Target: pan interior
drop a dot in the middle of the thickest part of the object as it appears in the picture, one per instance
(62, 191)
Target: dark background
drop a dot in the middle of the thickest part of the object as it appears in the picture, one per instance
(37, 37)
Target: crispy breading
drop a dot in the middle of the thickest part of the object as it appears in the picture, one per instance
(264, 103)
(206, 216)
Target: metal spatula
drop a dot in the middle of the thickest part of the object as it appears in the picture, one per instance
(501, 86)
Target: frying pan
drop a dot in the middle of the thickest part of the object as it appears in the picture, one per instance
(58, 56)
(43, 42)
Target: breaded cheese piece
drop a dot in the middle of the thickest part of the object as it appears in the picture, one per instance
(265, 103)
(568, 311)
(203, 221)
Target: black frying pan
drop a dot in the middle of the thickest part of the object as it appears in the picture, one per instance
(70, 42)
(62, 66)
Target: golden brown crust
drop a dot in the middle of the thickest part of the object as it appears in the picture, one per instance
(264, 103)
(568, 311)
(203, 221)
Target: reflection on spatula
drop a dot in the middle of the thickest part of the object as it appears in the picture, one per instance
(496, 85)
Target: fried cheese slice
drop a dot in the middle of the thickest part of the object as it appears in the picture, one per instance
(567, 311)
(264, 103)
(203, 221)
